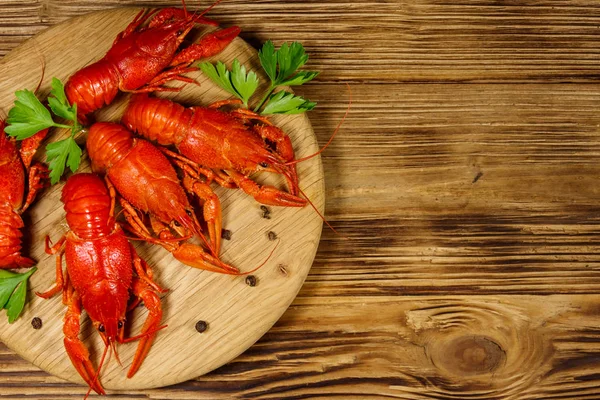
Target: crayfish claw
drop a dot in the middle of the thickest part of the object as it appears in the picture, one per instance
(266, 194)
(196, 257)
(152, 302)
(80, 358)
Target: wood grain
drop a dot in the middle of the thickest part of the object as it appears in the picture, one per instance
(466, 179)
(411, 41)
(448, 347)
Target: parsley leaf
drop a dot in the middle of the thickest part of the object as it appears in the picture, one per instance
(62, 153)
(13, 292)
(300, 78)
(28, 116)
(268, 60)
(59, 104)
(236, 81)
(287, 103)
(219, 75)
(245, 84)
(282, 67)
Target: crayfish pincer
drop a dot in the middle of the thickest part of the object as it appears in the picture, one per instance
(16, 170)
(103, 269)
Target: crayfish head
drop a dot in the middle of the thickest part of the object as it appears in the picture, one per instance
(111, 330)
(162, 43)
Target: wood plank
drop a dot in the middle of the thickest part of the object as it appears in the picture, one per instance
(462, 188)
(433, 149)
(429, 347)
(409, 41)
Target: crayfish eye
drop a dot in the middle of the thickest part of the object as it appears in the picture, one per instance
(264, 164)
(100, 328)
(176, 223)
(120, 324)
(188, 212)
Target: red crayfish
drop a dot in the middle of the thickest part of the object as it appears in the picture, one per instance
(147, 181)
(15, 165)
(142, 59)
(225, 142)
(100, 276)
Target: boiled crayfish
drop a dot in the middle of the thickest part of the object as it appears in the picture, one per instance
(147, 182)
(143, 58)
(226, 142)
(16, 170)
(100, 276)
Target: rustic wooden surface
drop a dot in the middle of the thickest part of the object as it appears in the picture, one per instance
(466, 181)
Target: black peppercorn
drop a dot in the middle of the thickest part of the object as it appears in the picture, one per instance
(201, 326)
(251, 280)
(226, 234)
(266, 212)
(36, 323)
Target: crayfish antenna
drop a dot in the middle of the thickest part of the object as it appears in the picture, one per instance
(43, 62)
(141, 335)
(319, 152)
(261, 265)
(332, 136)
(204, 12)
(95, 379)
(322, 216)
(113, 345)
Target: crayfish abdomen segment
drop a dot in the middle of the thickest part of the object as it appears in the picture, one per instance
(12, 174)
(158, 120)
(10, 239)
(92, 87)
(107, 144)
(88, 207)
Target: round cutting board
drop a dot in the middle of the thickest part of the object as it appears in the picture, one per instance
(237, 313)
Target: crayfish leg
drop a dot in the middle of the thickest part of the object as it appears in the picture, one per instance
(284, 148)
(30, 145)
(211, 205)
(222, 103)
(61, 282)
(38, 175)
(78, 353)
(144, 271)
(138, 20)
(135, 222)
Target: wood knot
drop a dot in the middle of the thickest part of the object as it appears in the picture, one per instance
(470, 355)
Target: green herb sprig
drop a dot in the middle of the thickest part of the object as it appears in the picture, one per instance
(236, 81)
(281, 66)
(13, 291)
(29, 116)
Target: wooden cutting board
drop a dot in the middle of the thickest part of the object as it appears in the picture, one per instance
(237, 313)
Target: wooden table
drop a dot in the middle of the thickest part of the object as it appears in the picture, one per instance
(464, 185)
